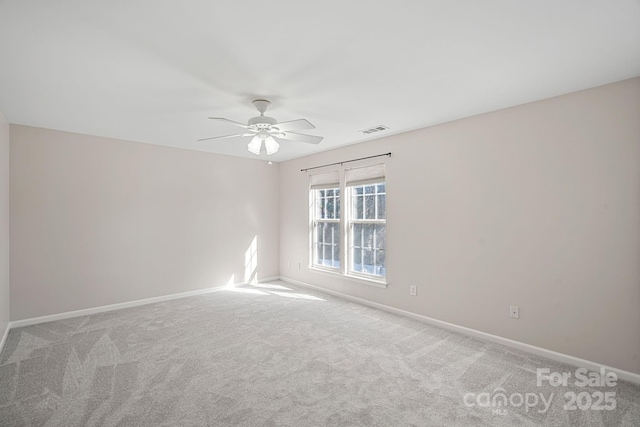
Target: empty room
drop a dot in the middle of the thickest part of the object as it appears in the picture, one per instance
(286, 213)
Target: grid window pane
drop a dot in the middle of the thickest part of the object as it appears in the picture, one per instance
(380, 263)
(358, 208)
(327, 204)
(381, 236)
(381, 211)
(368, 229)
(367, 236)
(327, 246)
(326, 235)
(357, 234)
(370, 207)
(367, 260)
(326, 231)
(357, 259)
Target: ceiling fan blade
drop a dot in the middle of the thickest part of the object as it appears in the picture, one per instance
(226, 136)
(231, 122)
(300, 124)
(309, 139)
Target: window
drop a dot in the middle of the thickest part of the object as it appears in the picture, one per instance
(366, 221)
(360, 241)
(327, 228)
(325, 202)
(368, 229)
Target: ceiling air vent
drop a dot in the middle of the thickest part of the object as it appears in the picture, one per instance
(374, 129)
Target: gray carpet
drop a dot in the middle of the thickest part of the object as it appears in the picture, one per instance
(275, 355)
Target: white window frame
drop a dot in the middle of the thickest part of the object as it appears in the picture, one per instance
(315, 222)
(345, 180)
(350, 222)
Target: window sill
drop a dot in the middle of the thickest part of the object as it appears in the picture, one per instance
(351, 278)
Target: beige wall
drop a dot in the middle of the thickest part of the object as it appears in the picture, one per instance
(98, 221)
(4, 225)
(536, 206)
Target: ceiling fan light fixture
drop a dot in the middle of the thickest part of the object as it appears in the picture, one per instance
(271, 145)
(255, 145)
(265, 129)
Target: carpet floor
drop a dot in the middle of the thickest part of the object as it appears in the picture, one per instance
(277, 355)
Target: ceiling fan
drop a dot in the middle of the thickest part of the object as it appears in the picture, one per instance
(266, 130)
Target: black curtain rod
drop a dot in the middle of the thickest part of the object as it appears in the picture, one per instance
(346, 161)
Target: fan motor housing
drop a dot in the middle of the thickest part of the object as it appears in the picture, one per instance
(262, 122)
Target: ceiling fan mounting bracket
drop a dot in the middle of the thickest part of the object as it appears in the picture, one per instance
(261, 105)
(261, 122)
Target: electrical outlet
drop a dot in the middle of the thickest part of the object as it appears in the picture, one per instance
(299, 266)
(288, 264)
(514, 311)
(413, 290)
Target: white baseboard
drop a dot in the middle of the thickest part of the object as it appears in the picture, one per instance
(111, 307)
(549, 354)
(5, 334)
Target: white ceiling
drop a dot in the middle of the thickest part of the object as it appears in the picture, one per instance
(154, 70)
